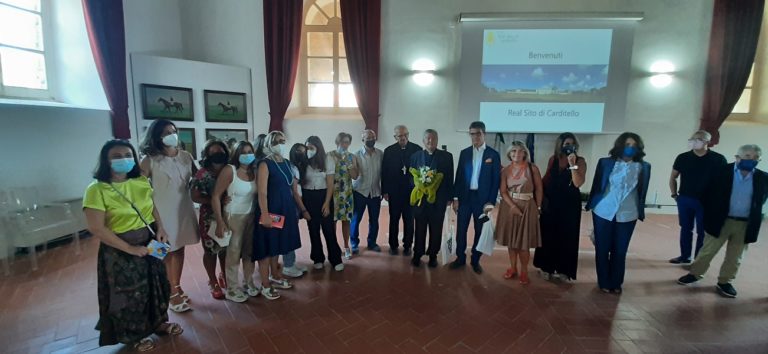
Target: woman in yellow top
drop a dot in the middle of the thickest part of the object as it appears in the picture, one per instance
(133, 289)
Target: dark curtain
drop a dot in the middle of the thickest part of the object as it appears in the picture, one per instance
(361, 22)
(732, 46)
(106, 33)
(530, 143)
(282, 39)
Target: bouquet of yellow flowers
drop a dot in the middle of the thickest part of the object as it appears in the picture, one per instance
(426, 182)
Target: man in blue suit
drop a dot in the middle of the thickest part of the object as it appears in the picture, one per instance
(475, 191)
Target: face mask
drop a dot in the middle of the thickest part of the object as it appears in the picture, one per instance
(171, 140)
(218, 158)
(568, 149)
(695, 144)
(246, 159)
(341, 150)
(747, 165)
(280, 149)
(311, 153)
(370, 143)
(123, 165)
(630, 151)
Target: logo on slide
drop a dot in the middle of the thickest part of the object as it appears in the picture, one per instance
(490, 38)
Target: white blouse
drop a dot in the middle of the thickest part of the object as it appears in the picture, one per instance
(315, 179)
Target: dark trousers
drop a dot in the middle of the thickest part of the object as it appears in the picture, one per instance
(611, 244)
(470, 208)
(313, 201)
(374, 208)
(400, 207)
(431, 218)
(690, 210)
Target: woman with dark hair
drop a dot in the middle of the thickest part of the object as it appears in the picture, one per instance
(617, 201)
(259, 145)
(238, 182)
(277, 190)
(298, 159)
(214, 157)
(317, 186)
(558, 255)
(343, 196)
(171, 169)
(132, 288)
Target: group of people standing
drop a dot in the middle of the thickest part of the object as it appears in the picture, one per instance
(252, 196)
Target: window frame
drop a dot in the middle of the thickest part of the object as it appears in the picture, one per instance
(334, 26)
(14, 92)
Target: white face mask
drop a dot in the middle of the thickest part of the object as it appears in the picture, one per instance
(280, 149)
(341, 150)
(696, 144)
(171, 140)
(311, 153)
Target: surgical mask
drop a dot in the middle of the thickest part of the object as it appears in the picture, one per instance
(747, 165)
(311, 153)
(630, 151)
(218, 158)
(696, 144)
(370, 143)
(280, 149)
(341, 150)
(246, 159)
(568, 149)
(123, 165)
(171, 140)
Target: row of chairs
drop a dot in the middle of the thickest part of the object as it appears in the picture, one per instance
(28, 220)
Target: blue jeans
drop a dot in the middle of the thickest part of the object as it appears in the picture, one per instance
(470, 208)
(690, 210)
(374, 208)
(611, 244)
(289, 259)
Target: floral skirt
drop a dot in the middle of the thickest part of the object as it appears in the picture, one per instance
(133, 292)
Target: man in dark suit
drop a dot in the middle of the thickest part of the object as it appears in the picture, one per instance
(431, 215)
(396, 188)
(733, 212)
(475, 191)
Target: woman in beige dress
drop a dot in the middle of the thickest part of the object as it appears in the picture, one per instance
(170, 169)
(517, 225)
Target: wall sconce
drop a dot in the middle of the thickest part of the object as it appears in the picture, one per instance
(661, 73)
(423, 72)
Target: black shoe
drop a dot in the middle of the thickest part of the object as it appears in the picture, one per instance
(477, 268)
(393, 251)
(374, 248)
(432, 262)
(688, 279)
(406, 251)
(456, 264)
(679, 260)
(416, 262)
(726, 290)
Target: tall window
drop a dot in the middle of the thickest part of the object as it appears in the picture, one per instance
(325, 74)
(22, 53)
(744, 104)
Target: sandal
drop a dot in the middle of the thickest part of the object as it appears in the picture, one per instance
(510, 274)
(182, 294)
(169, 328)
(180, 307)
(524, 279)
(216, 291)
(144, 345)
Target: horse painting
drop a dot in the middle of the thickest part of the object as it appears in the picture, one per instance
(177, 106)
(227, 108)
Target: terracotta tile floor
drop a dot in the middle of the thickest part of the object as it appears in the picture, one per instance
(379, 304)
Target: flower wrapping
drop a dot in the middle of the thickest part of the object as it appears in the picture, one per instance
(426, 182)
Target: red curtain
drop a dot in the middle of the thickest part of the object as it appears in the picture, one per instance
(361, 22)
(282, 39)
(732, 46)
(106, 33)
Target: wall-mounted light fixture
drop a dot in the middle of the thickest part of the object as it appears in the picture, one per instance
(661, 73)
(423, 72)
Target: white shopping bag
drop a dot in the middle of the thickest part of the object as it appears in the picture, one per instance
(448, 244)
(486, 242)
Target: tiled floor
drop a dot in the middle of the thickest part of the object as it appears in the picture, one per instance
(379, 304)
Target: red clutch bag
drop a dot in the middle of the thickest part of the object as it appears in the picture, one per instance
(278, 221)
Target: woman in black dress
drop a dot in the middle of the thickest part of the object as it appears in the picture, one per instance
(561, 211)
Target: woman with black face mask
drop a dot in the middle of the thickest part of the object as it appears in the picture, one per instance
(214, 157)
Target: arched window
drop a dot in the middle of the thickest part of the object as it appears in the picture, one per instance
(325, 74)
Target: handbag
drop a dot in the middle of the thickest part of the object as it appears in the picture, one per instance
(486, 242)
(222, 241)
(155, 248)
(448, 243)
(278, 221)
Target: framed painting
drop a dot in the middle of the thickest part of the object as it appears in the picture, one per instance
(225, 107)
(187, 140)
(228, 136)
(167, 102)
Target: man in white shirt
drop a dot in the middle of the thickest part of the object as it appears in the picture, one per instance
(367, 191)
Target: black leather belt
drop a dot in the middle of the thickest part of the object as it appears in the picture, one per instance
(738, 218)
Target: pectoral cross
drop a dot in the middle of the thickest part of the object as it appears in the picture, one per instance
(403, 170)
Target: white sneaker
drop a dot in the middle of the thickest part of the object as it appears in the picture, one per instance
(339, 267)
(235, 296)
(281, 283)
(317, 266)
(300, 268)
(253, 290)
(347, 253)
(292, 272)
(270, 293)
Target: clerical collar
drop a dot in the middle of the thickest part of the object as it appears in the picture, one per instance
(430, 153)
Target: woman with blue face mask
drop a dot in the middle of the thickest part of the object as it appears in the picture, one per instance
(120, 212)
(237, 181)
(617, 201)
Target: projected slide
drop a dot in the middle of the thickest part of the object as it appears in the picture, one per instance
(541, 80)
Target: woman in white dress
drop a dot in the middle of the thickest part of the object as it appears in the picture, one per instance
(170, 169)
